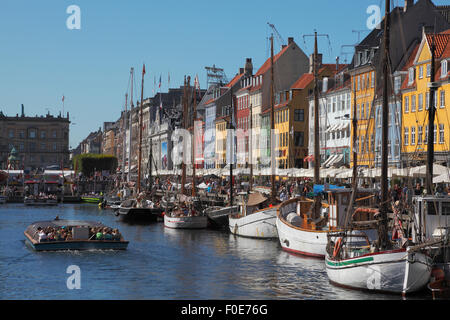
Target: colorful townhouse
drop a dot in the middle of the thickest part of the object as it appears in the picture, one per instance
(366, 69)
(288, 65)
(335, 119)
(416, 101)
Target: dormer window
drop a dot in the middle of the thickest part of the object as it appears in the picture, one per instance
(410, 76)
(357, 59)
(444, 68)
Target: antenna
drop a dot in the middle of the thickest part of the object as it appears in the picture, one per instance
(279, 37)
(215, 76)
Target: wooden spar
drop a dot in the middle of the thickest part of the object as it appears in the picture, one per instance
(130, 146)
(232, 145)
(183, 164)
(431, 117)
(124, 141)
(355, 158)
(140, 133)
(250, 157)
(272, 124)
(317, 202)
(194, 116)
(383, 240)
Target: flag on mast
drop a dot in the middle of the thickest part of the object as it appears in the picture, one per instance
(159, 82)
(143, 69)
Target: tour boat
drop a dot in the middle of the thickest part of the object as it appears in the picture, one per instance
(80, 237)
(187, 214)
(40, 201)
(91, 199)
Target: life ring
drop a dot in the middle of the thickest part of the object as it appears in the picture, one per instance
(337, 247)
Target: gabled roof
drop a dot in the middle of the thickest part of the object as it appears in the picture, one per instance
(409, 64)
(234, 80)
(266, 66)
(441, 41)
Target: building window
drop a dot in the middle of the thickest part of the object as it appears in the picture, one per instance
(21, 146)
(358, 114)
(406, 104)
(419, 134)
(444, 68)
(406, 136)
(32, 134)
(11, 133)
(299, 138)
(428, 70)
(426, 134)
(434, 133)
(413, 103)
(421, 72)
(397, 84)
(372, 79)
(420, 106)
(442, 99)
(441, 133)
(43, 146)
(427, 101)
(413, 136)
(410, 76)
(43, 134)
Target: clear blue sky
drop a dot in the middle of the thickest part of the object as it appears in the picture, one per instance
(41, 59)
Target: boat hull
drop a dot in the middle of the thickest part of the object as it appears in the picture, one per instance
(218, 217)
(186, 222)
(301, 241)
(139, 214)
(260, 224)
(91, 199)
(395, 271)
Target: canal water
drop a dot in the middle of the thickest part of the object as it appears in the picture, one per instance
(160, 263)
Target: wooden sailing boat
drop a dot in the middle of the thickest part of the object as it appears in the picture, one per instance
(188, 214)
(352, 260)
(139, 209)
(257, 215)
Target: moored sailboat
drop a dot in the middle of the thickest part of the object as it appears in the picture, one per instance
(352, 260)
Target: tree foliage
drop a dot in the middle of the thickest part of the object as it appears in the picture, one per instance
(89, 163)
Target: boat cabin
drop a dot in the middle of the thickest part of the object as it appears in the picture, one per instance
(432, 217)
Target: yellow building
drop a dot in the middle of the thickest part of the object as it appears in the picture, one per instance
(221, 142)
(363, 86)
(415, 90)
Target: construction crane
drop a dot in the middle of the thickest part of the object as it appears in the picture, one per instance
(279, 37)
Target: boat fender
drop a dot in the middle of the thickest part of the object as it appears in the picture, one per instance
(337, 247)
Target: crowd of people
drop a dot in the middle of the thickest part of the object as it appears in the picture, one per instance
(66, 233)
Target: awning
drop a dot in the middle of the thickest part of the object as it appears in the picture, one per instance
(336, 160)
(329, 160)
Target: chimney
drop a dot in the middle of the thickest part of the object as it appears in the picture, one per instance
(23, 111)
(311, 62)
(408, 4)
(241, 70)
(290, 40)
(337, 64)
(248, 67)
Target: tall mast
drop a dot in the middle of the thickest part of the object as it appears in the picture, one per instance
(194, 117)
(231, 145)
(382, 225)
(124, 141)
(272, 123)
(140, 133)
(431, 117)
(183, 164)
(317, 202)
(130, 126)
(250, 157)
(150, 178)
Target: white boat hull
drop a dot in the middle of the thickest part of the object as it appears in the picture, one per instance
(389, 271)
(301, 241)
(186, 222)
(260, 224)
